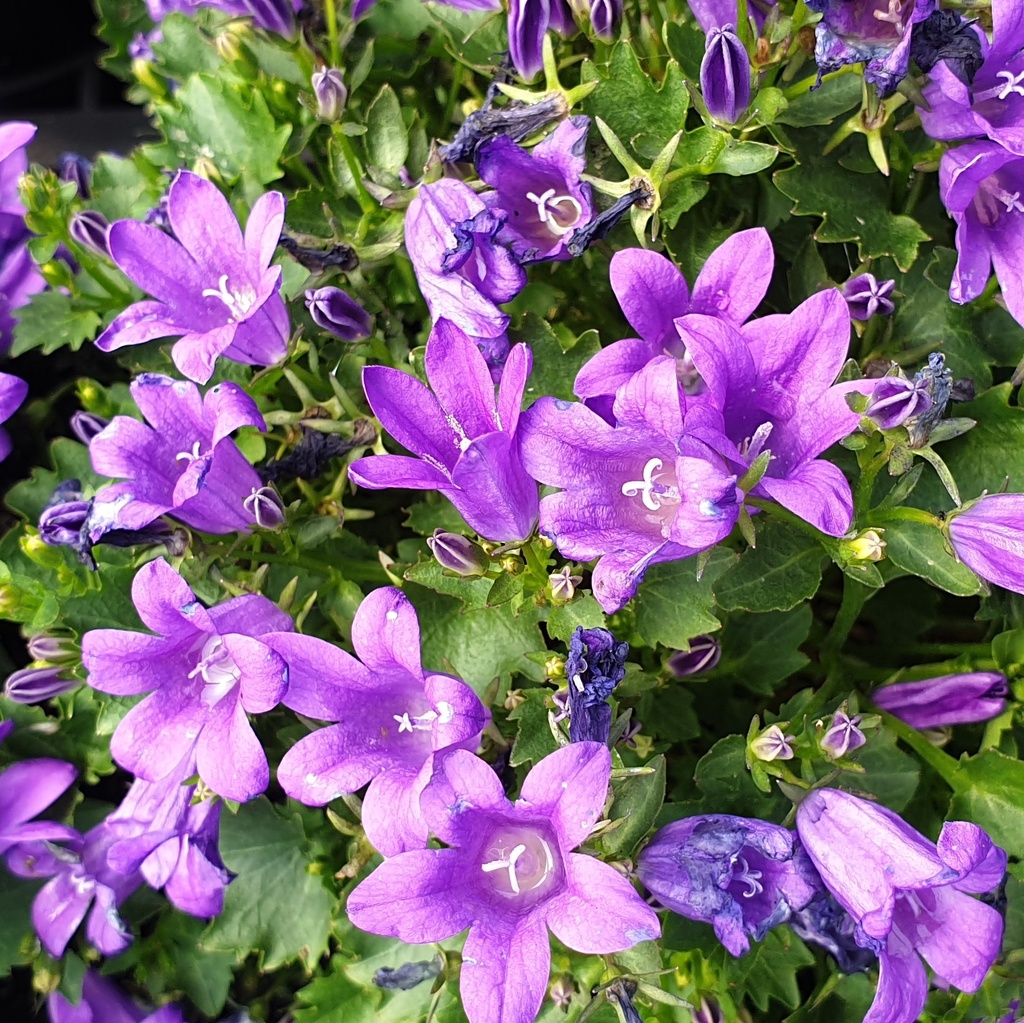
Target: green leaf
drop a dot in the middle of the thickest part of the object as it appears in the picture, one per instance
(760, 651)
(472, 592)
(738, 157)
(769, 970)
(823, 105)
(563, 619)
(891, 776)
(989, 790)
(680, 195)
(16, 895)
(919, 549)
(672, 606)
(534, 740)
(107, 604)
(183, 48)
(387, 140)
(783, 570)
(557, 357)
(637, 802)
(52, 320)
(70, 460)
(204, 977)
(275, 905)
(125, 189)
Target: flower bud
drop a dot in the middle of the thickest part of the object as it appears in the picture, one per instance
(707, 1012)
(338, 313)
(89, 228)
(55, 649)
(78, 169)
(842, 736)
(408, 975)
(33, 685)
(86, 425)
(866, 296)
(458, 554)
(605, 16)
(61, 524)
(266, 507)
(725, 75)
(704, 653)
(867, 545)
(897, 399)
(562, 585)
(331, 94)
(773, 744)
(946, 700)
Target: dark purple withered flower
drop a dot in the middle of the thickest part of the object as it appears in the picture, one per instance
(12, 393)
(205, 669)
(908, 897)
(214, 288)
(947, 37)
(517, 120)
(312, 455)
(393, 717)
(946, 700)
(866, 296)
(595, 666)
(742, 876)
(103, 1002)
(725, 75)
(338, 313)
(988, 537)
(824, 922)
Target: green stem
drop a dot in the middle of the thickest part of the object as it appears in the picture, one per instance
(941, 763)
(908, 515)
(331, 17)
(855, 596)
(363, 197)
(866, 484)
(805, 85)
(534, 563)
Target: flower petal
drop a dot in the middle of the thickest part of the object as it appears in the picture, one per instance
(229, 757)
(460, 379)
(391, 812)
(652, 293)
(386, 632)
(461, 786)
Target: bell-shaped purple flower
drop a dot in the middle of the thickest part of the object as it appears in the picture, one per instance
(393, 718)
(90, 229)
(338, 313)
(712, 14)
(12, 393)
(183, 463)
(103, 1002)
(508, 874)
(866, 296)
(540, 191)
(214, 288)
(946, 700)
(464, 437)
(725, 75)
(909, 897)
(982, 187)
(205, 669)
(742, 876)
(595, 666)
(988, 537)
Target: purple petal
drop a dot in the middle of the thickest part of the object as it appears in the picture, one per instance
(652, 400)
(320, 676)
(462, 787)
(386, 632)
(166, 604)
(461, 716)
(735, 277)
(263, 231)
(264, 675)
(129, 663)
(902, 986)
(196, 353)
(610, 368)
(818, 492)
(652, 293)
(382, 472)
(29, 787)
(722, 357)
(104, 928)
(527, 23)
(968, 849)
(251, 615)
(229, 757)
(57, 911)
(203, 222)
(196, 886)
(230, 408)
(141, 322)
(153, 736)
(513, 384)
(391, 813)
(461, 380)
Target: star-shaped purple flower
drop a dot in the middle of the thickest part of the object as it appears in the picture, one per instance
(213, 287)
(987, 535)
(508, 874)
(393, 717)
(205, 670)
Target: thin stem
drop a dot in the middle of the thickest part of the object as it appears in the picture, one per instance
(787, 516)
(363, 197)
(941, 763)
(909, 515)
(331, 17)
(855, 596)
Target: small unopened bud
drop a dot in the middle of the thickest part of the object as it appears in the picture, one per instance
(33, 685)
(561, 992)
(227, 42)
(563, 585)
(78, 169)
(707, 1012)
(725, 75)
(866, 296)
(338, 313)
(266, 507)
(897, 399)
(605, 16)
(331, 94)
(704, 653)
(206, 168)
(865, 546)
(554, 667)
(458, 554)
(773, 744)
(55, 649)
(89, 228)
(86, 425)
(843, 736)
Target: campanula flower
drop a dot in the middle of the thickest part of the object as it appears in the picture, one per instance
(183, 462)
(866, 296)
(34, 685)
(330, 92)
(272, 15)
(89, 228)
(705, 652)
(464, 437)
(458, 554)
(712, 14)
(982, 187)
(540, 190)
(205, 670)
(725, 75)
(946, 700)
(338, 313)
(75, 167)
(605, 16)
(517, 120)
(842, 735)
(742, 876)
(528, 23)
(895, 400)
(464, 274)
(103, 1002)
(773, 744)
(12, 393)
(947, 38)
(508, 873)
(910, 898)
(595, 666)
(213, 288)
(987, 535)
(393, 717)
(824, 922)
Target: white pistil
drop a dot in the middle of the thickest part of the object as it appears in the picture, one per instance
(1011, 202)
(645, 487)
(422, 722)
(1013, 83)
(190, 456)
(750, 877)
(509, 865)
(894, 15)
(238, 302)
(547, 206)
(404, 724)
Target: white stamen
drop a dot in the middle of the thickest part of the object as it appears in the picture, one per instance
(238, 302)
(190, 456)
(1013, 83)
(578, 683)
(894, 15)
(645, 487)
(509, 865)
(547, 205)
(750, 877)
(404, 724)
(1011, 202)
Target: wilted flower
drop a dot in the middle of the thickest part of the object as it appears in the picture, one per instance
(103, 1002)
(988, 537)
(725, 75)
(408, 975)
(90, 228)
(947, 37)
(595, 666)
(331, 94)
(508, 873)
(842, 735)
(704, 653)
(946, 700)
(866, 296)
(338, 313)
(12, 393)
(773, 744)
(827, 924)
(458, 554)
(742, 876)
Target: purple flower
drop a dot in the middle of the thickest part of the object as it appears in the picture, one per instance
(90, 228)
(742, 876)
(895, 399)
(394, 717)
(993, 104)
(773, 744)
(605, 16)
(725, 75)
(653, 294)
(458, 554)
(528, 23)
(463, 273)
(866, 296)
(27, 788)
(103, 1002)
(214, 289)
(842, 736)
(946, 700)
(183, 463)
(634, 494)
(272, 15)
(508, 874)
(75, 167)
(464, 438)
(540, 191)
(909, 897)
(987, 535)
(12, 393)
(947, 37)
(827, 924)
(338, 313)
(595, 666)
(982, 187)
(205, 670)
(874, 32)
(712, 14)
(85, 426)
(705, 652)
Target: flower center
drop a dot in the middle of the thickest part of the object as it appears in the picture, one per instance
(893, 14)
(518, 861)
(742, 872)
(218, 670)
(558, 213)
(238, 301)
(652, 493)
(1011, 84)
(190, 456)
(424, 722)
(993, 201)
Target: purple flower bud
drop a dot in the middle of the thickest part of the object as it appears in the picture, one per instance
(563, 584)
(595, 666)
(52, 648)
(605, 16)
(331, 94)
(897, 399)
(725, 75)
(707, 1012)
(842, 736)
(85, 425)
(458, 554)
(988, 537)
(266, 507)
(76, 168)
(89, 228)
(773, 744)
(61, 524)
(338, 313)
(946, 700)
(704, 653)
(866, 296)
(33, 685)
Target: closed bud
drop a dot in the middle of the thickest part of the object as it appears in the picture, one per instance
(331, 94)
(725, 75)
(61, 524)
(773, 744)
(338, 313)
(897, 399)
(605, 16)
(78, 169)
(704, 653)
(843, 735)
(33, 685)
(866, 296)
(707, 1012)
(867, 545)
(266, 508)
(458, 554)
(89, 228)
(206, 168)
(562, 585)
(55, 649)
(86, 425)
